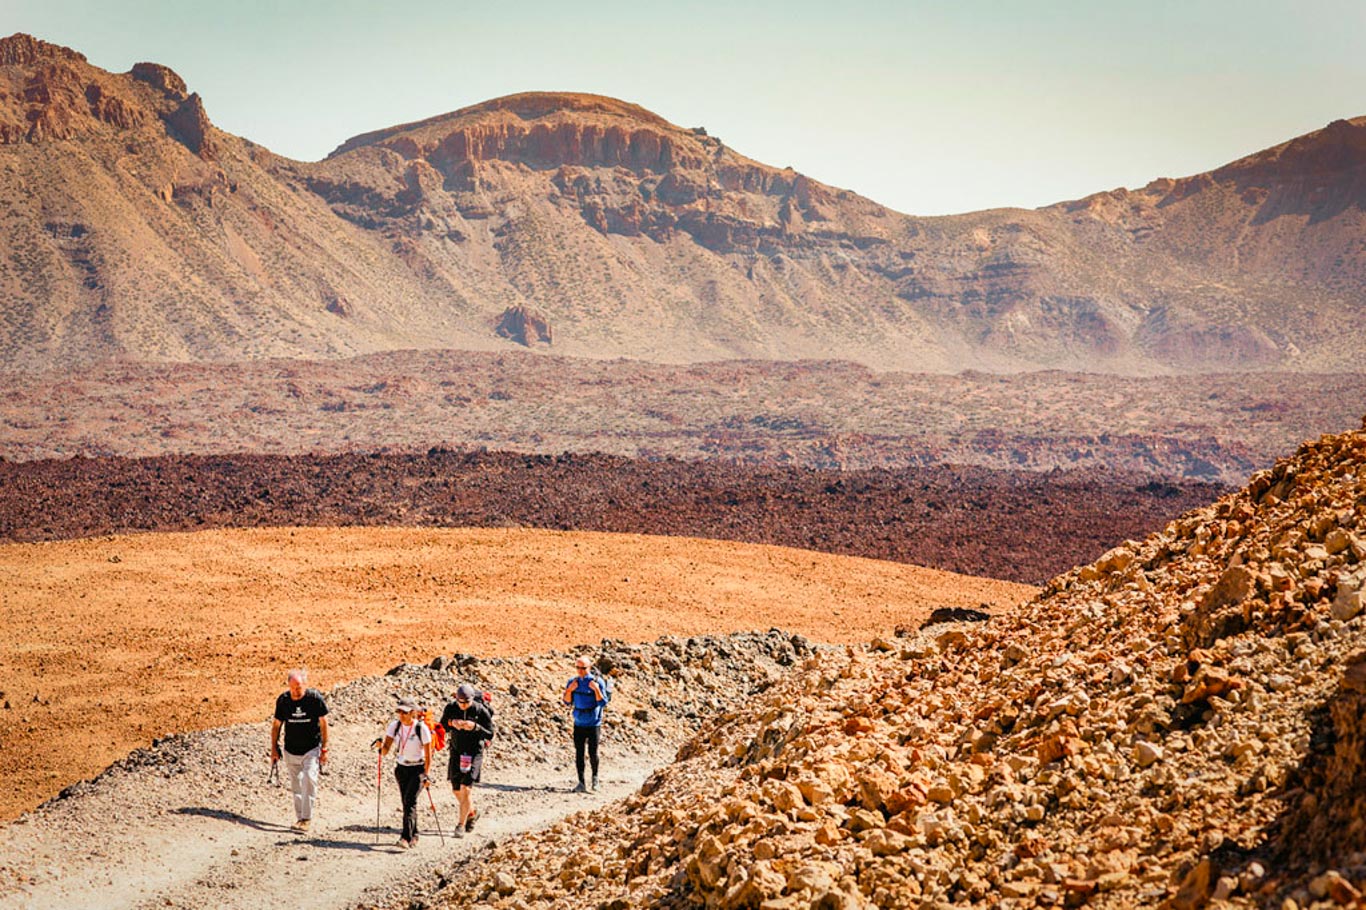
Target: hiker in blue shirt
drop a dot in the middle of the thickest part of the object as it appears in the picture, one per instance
(588, 693)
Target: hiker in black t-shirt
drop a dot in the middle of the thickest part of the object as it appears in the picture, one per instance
(303, 714)
(469, 725)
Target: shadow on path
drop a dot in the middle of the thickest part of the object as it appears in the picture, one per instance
(381, 839)
(225, 815)
(522, 788)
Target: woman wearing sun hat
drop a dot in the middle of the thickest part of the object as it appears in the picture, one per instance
(413, 761)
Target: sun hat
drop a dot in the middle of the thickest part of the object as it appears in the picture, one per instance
(405, 704)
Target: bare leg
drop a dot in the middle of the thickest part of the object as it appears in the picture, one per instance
(463, 796)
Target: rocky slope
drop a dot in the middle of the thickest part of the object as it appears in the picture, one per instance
(1176, 724)
(139, 231)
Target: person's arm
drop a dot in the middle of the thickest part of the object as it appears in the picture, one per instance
(427, 757)
(483, 725)
(597, 692)
(569, 691)
(275, 740)
(322, 728)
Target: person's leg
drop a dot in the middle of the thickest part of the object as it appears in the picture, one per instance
(593, 753)
(294, 770)
(476, 770)
(409, 784)
(462, 799)
(580, 741)
(310, 782)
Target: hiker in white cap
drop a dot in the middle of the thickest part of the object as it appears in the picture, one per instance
(303, 715)
(413, 760)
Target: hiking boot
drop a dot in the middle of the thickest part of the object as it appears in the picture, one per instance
(595, 783)
(469, 822)
(580, 788)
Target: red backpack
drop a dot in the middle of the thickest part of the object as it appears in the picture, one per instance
(438, 731)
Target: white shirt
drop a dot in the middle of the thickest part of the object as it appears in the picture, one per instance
(408, 741)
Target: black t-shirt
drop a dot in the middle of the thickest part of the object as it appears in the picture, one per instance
(300, 719)
(467, 742)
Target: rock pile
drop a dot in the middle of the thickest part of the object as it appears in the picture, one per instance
(662, 691)
(1176, 724)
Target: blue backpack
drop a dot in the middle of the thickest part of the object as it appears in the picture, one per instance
(582, 710)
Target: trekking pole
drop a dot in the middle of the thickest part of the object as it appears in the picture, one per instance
(428, 787)
(379, 782)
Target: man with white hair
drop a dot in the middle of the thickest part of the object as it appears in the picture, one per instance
(303, 714)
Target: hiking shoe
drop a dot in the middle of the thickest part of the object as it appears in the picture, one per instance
(403, 843)
(469, 822)
(595, 783)
(580, 788)
(459, 831)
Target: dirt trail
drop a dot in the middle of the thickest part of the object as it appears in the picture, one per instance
(183, 836)
(109, 643)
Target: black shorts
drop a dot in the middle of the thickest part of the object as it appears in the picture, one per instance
(460, 778)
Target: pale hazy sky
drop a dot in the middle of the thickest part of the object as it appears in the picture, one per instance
(926, 107)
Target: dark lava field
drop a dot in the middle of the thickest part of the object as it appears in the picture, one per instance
(1015, 525)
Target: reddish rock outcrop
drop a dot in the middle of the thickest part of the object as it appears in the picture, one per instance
(191, 125)
(160, 77)
(524, 325)
(25, 50)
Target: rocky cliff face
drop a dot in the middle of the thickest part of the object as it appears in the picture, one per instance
(635, 238)
(1176, 724)
(55, 95)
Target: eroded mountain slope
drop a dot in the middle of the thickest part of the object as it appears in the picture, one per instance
(589, 226)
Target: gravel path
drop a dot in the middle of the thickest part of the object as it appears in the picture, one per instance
(194, 821)
(187, 835)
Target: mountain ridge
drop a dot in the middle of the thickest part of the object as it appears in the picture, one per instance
(145, 233)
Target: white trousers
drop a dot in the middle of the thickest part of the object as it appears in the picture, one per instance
(303, 780)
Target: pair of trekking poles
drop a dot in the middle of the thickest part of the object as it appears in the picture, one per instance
(379, 789)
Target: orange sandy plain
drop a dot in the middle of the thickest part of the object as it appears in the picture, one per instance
(111, 642)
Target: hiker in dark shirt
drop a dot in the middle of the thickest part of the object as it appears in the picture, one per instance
(469, 725)
(303, 715)
(585, 691)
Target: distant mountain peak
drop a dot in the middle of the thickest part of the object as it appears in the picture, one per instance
(25, 50)
(141, 231)
(520, 112)
(533, 105)
(57, 95)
